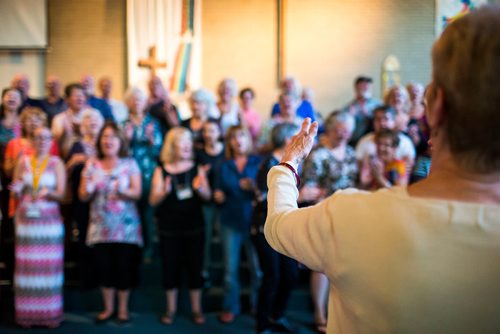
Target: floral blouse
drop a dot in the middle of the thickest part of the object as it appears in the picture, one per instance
(324, 170)
(112, 220)
(145, 147)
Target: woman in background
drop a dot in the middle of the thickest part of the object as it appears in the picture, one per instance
(235, 192)
(250, 116)
(330, 167)
(112, 184)
(39, 182)
(81, 151)
(210, 157)
(178, 188)
(228, 107)
(201, 102)
(143, 134)
(280, 273)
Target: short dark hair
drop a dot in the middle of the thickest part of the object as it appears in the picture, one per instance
(70, 87)
(123, 152)
(361, 79)
(247, 89)
(386, 133)
(386, 110)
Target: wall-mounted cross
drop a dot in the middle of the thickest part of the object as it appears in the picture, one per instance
(151, 62)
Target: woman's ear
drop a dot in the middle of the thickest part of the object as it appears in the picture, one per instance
(435, 110)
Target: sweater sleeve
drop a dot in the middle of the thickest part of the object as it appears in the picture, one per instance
(297, 233)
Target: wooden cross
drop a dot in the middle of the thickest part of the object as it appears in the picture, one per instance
(152, 63)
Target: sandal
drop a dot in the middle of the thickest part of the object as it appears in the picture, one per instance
(198, 318)
(226, 317)
(168, 318)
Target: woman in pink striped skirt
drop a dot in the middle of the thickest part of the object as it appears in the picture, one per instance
(39, 183)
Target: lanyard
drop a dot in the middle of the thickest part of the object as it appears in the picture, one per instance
(37, 170)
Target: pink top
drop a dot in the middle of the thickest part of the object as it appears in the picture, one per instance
(253, 122)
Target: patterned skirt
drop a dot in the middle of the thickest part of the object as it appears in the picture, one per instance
(39, 256)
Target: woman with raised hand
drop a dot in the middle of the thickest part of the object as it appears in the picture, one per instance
(177, 191)
(421, 258)
(39, 182)
(112, 184)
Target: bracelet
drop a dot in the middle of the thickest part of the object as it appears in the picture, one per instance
(290, 167)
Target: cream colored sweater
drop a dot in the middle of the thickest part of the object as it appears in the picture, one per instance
(396, 264)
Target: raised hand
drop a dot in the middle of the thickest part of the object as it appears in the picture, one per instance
(301, 144)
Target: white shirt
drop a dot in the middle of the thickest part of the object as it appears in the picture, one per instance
(366, 147)
(63, 120)
(396, 264)
(119, 110)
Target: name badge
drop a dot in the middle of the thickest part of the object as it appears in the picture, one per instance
(184, 193)
(33, 211)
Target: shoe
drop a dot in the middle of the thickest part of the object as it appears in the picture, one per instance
(281, 325)
(123, 321)
(265, 331)
(198, 318)
(168, 318)
(99, 320)
(320, 327)
(227, 317)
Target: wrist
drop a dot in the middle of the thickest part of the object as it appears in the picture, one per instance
(288, 164)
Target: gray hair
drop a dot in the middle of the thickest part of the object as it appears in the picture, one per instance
(338, 116)
(205, 96)
(281, 132)
(231, 83)
(134, 92)
(91, 113)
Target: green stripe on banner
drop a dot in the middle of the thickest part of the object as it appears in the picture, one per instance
(185, 67)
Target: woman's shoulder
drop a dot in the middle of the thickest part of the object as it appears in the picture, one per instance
(255, 159)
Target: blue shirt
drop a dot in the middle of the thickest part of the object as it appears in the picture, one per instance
(304, 110)
(102, 106)
(236, 211)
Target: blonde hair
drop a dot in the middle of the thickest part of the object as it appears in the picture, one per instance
(231, 132)
(29, 112)
(167, 154)
(231, 83)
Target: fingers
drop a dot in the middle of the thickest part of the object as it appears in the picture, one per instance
(308, 128)
(313, 130)
(305, 126)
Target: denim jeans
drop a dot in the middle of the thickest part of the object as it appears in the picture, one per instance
(232, 242)
(211, 216)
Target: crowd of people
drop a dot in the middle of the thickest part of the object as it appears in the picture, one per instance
(117, 177)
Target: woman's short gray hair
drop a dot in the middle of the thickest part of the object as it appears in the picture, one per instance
(91, 113)
(339, 116)
(134, 92)
(281, 132)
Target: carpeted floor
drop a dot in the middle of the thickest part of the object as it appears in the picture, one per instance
(146, 305)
